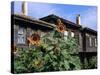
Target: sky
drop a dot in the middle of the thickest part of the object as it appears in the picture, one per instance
(88, 14)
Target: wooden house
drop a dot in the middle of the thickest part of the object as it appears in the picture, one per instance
(22, 26)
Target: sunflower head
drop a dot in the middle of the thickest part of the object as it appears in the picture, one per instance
(60, 26)
(34, 39)
(14, 49)
(35, 36)
(59, 21)
(37, 63)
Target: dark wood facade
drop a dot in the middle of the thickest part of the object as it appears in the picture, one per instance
(86, 37)
(28, 25)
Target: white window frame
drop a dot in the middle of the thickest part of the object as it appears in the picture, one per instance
(65, 35)
(90, 41)
(21, 36)
(72, 34)
(95, 42)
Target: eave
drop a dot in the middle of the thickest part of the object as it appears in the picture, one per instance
(32, 20)
(70, 24)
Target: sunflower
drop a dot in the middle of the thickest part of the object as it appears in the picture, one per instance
(37, 63)
(14, 49)
(60, 26)
(34, 39)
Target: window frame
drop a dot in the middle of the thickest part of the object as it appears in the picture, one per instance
(79, 38)
(66, 36)
(21, 37)
(90, 41)
(95, 40)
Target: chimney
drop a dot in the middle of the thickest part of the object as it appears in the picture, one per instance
(24, 8)
(78, 20)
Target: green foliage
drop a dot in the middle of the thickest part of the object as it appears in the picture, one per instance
(54, 54)
(91, 63)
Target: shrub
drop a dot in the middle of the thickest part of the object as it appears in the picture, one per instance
(53, 54)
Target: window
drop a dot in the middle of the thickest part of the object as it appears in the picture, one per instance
(21, 36)
(90, 41)
(78, 39)
(87, 34)
(95, 42)
(65, 35)
(72, 34)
